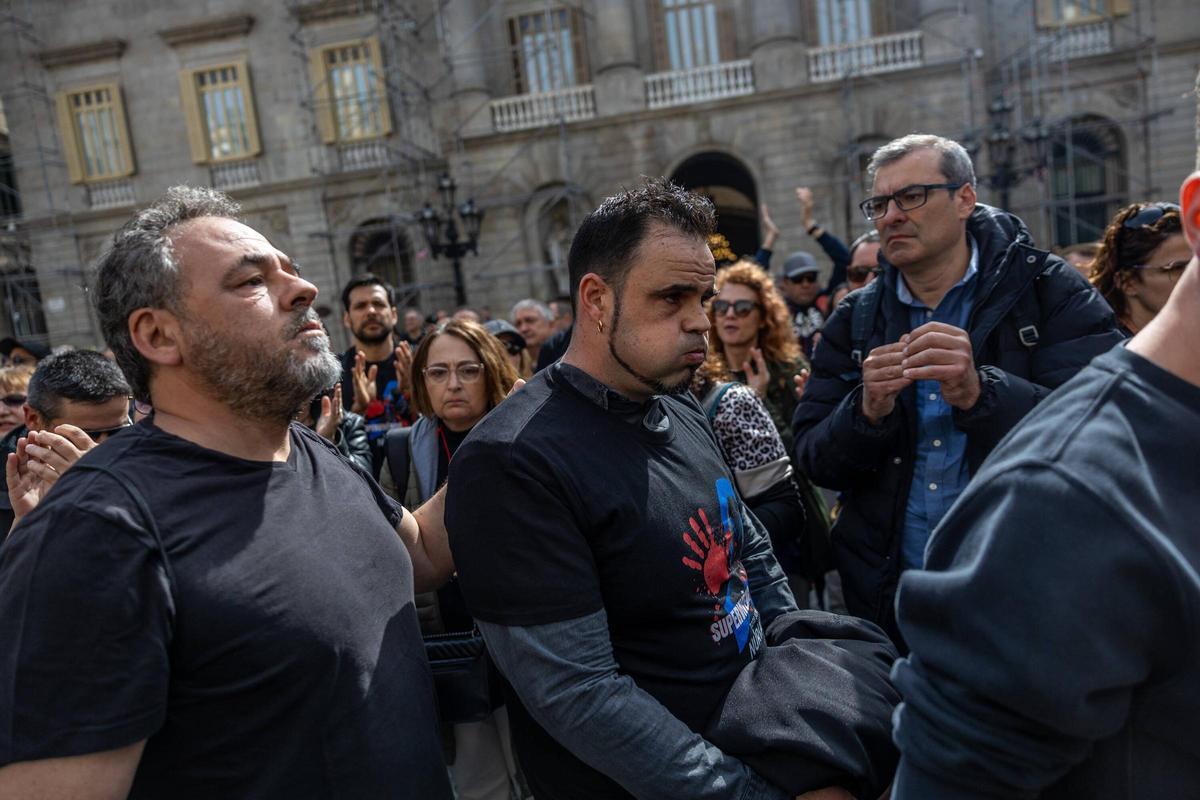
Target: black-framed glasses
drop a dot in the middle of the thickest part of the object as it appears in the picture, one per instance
(466, 372)
(13, 400)
(100, 434)
(514, 348)
(741, 308)
(906, 199)
(1172, 269)
(1150, 215)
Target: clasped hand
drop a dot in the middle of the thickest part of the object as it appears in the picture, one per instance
(933, 352)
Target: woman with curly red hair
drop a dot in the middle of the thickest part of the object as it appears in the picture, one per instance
(1140, 261)
(752, 341)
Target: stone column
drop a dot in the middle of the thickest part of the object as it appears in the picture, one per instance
(1198, 121)
(466, 43)
(776, 48)
(617, 78)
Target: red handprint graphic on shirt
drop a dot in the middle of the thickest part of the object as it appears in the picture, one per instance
(712, 551)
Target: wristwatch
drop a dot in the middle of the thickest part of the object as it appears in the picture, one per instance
(814, 227)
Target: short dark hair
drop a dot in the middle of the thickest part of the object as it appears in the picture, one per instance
(609, 236)
(368, 279)
(139, 271)
(83, 376)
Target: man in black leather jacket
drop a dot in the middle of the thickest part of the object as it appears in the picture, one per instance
(968, 328)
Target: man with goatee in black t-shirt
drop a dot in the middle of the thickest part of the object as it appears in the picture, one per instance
(620, 583)
(216, 603)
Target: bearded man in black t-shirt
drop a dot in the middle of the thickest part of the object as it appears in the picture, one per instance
(215, 603)
(619, 581)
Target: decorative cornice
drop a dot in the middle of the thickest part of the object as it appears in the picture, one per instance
(320, 10)
(82, 53)
(208, 29)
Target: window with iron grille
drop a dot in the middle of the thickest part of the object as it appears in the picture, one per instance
(95, 134)
(548, 50)
(219, 107)
(350, 91)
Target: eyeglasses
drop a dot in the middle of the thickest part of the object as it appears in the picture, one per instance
(139, 407)
(1172, 270)
(907, 199)
(741, 308)
(467, 373)
(100, 434)
(13, 400)
(1149, 215)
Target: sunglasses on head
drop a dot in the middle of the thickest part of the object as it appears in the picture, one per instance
(740, 308)
(1150, 215)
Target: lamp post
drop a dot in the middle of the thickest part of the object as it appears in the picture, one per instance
(1002, 146)
(442, 234)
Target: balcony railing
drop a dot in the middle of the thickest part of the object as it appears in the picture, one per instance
(524, 111)
(370, 154)
(872, 56)
(235, 175)
(1076, 41)
(680, 87)
(110, 194)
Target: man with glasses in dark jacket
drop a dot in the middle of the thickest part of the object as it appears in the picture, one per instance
(920, 374)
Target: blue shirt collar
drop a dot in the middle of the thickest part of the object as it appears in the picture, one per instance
(906, 296)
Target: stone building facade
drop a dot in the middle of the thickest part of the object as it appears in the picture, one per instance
(331, 120)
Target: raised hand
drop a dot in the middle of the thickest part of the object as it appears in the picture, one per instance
(57, 450)
(363, 379)
(757, 376)
(403, 364)
(940, 352)
(331, 415)
(883, 379)
(26, 485)
(805, 196)
(770, 229)
(714, 560)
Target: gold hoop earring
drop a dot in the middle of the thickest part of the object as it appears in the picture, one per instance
(600, 326)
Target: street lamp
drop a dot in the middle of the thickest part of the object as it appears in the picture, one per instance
(442, 235)
(1003, 147)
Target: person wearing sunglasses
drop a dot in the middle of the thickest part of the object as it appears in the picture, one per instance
(514, 346)
(1139, 262)
(864, 265)
(14, 382)
(76, 400)
(460, 372)
(923, 371)
(801, 286)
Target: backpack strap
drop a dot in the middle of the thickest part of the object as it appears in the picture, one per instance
(862, 320)
(395, 448)
(1025, 315)
(713, 399)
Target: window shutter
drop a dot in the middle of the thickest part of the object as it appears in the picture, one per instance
(70, 139)
(196, 131)
(1045, 14)
(662, 59)
(514, 41)
(726, 32)
(1121, 8)
(381, 87)
(881, 17)
(255, 146)
(322, 97)
(122, 123)
(583, 64)
(812, 30)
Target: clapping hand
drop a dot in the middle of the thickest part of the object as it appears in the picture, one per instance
(363, 378)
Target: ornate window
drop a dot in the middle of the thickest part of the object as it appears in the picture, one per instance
(219, 108)
(691, 33)
(95, 133)
(350, 91)
(548, 50)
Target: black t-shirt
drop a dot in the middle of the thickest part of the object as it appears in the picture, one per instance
(274, 651)
(568, 499)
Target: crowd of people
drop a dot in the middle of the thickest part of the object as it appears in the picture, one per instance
(585, 550)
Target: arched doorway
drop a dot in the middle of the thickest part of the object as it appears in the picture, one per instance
(382, 246)
(727, 182)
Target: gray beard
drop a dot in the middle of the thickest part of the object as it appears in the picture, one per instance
(258, 382)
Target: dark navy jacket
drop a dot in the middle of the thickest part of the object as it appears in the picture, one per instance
(838, 449)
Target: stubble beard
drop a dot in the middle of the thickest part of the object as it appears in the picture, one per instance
(655, 385)
(375, 338)
(258, 382)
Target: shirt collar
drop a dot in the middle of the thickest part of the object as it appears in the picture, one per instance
(906, 296)
(649, 414)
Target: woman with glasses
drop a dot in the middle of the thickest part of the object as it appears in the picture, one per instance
(14, 382)
(1140, 260)
(460, 372)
